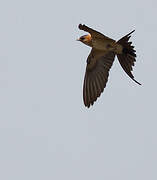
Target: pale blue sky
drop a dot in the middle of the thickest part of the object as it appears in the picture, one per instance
(46, 133)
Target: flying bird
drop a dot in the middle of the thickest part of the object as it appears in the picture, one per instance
(100, 60)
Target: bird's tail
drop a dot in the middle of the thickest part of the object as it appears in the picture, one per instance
(128, 56)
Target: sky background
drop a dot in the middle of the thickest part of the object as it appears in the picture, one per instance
(46, 133)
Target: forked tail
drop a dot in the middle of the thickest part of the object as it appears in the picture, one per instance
(128, 56)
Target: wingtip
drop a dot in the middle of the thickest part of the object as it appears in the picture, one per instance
(80, 26)
(87, 105)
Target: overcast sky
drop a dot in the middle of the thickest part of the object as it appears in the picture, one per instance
(46, 133)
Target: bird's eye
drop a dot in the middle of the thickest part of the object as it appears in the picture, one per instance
(82, 38)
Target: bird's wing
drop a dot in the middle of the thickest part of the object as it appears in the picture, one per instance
(94, 33)
(96, 76)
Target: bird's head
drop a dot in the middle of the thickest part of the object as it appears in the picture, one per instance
(86, 39)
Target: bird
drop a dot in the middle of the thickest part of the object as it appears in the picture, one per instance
(100, 60)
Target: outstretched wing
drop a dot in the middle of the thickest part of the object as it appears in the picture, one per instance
(94, 33)
(96, 76)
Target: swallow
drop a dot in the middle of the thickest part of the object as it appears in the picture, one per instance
(100, 60)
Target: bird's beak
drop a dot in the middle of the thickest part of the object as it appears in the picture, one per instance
(78, 39)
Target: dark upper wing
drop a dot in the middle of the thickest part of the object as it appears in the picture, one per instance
(96, 76)
(93, 32)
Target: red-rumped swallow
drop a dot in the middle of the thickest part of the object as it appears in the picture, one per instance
(101, 59)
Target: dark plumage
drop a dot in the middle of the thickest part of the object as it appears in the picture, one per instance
(101, 59)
